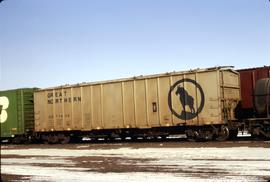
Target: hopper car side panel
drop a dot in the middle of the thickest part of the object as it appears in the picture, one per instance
(193, 98)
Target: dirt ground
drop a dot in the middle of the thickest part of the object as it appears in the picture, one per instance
(137, 161)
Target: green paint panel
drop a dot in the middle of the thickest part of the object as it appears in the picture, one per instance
(17, 112)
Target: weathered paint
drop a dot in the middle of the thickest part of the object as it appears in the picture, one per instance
(248, 79)
(17, 113)
(198, 97)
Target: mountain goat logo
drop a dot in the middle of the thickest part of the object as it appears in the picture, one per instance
(186, 107)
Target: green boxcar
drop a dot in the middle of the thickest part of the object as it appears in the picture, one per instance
(16, 112)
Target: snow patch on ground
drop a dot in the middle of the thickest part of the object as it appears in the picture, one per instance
(192, 164)
(237, 153)
(64, 175)
(34, 161)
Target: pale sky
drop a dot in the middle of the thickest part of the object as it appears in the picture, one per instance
(52, 43)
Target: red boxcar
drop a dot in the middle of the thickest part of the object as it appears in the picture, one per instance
(248, 78)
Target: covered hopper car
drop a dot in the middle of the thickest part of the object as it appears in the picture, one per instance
(199, 103)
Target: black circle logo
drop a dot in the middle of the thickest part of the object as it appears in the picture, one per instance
(187, 103)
